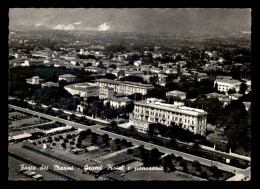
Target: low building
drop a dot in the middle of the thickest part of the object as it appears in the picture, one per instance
(176, 93)
(49, 84)
(118, 102)
(35, 80)
(155, 70)
(215, 95)
(20, 55)
(32, 63)
(67, 77)
(162, 77)
(154, 111)
(134, 73)
(83, 90)
(20, 137)
(235, 96)
(93, 69)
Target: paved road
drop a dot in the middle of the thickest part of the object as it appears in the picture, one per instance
(96, 129)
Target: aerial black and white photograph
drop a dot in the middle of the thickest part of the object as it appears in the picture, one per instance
(129, 94)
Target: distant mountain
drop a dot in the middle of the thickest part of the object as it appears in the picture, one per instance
(63, 27)
(103, 27)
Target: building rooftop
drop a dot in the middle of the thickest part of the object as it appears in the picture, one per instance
(176, 92)
(67, 75)
(228, 80)
(121, 99)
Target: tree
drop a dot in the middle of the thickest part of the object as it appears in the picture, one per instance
(231, 91)
(204, 174)
(105, 139)
(110, 76)
(195, 147)
(94, 138)
(114, 125)
(196, 163)
(112, 66)
(167, 164)
(243, 88)
(132, 130)
(173, 142)
(123, 142)
(62, 83)
(154, 157)
(132, 79)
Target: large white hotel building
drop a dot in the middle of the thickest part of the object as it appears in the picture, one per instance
(154, 111)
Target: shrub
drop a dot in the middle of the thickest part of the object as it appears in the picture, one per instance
(198, 169)
(130, 151)
(196, 163)
(179, 158)
(204, 174)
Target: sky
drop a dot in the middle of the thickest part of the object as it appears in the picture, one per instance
(132, 19)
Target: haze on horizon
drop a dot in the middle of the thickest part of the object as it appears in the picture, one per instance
(206, 20)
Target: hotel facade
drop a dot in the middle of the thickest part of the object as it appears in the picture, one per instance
(154, 111)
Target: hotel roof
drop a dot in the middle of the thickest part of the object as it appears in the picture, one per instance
(172, 108)
(121, 100)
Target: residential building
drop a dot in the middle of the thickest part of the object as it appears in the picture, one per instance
(118, 102)
(106, 92)
(49, 84)
(235, 96)
(154, 111)
(125, 87)
(35, 80)
(20, 55)
(170, 71)
(134, 73)
(176, 93)
(226, 84)
(67, 77)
